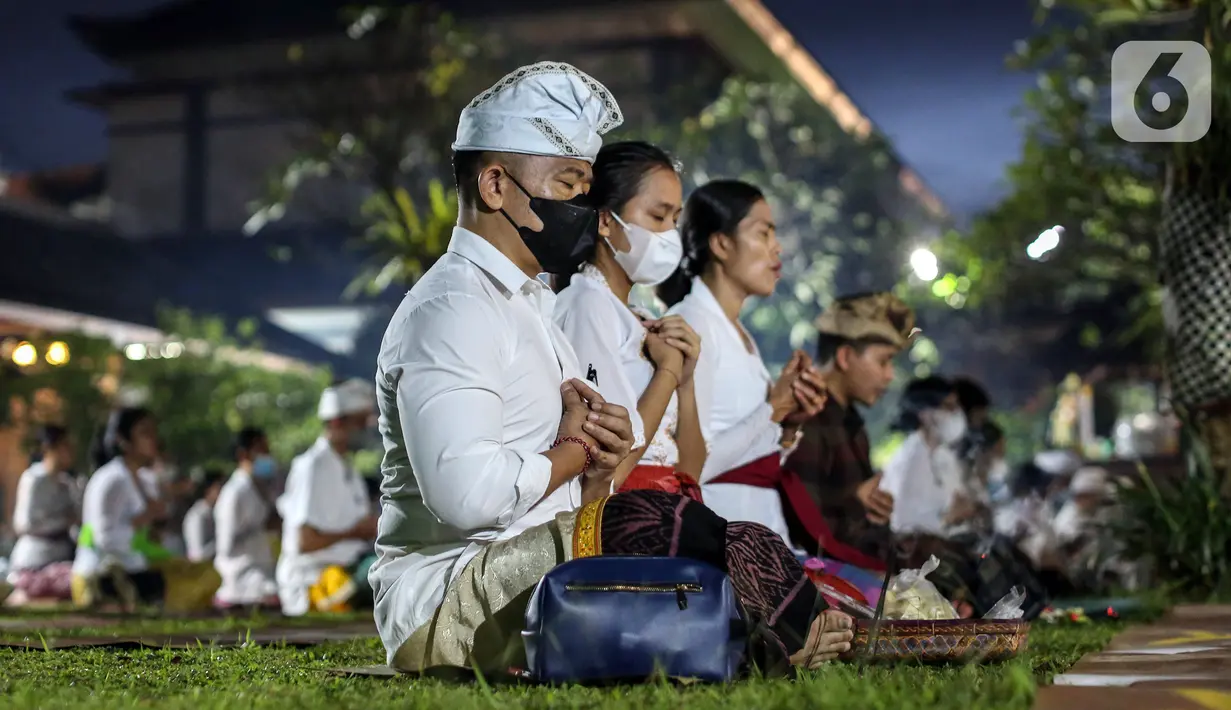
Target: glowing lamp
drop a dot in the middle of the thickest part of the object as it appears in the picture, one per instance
(57, 353)
(25, 354)
(923, 262)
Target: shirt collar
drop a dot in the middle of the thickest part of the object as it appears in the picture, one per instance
(705, 297)
(482, 254)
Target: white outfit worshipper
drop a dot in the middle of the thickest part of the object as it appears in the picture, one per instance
(469, 377)
(44, 514)
(924, 478)
(244, 558)
(1075, 520)
(609, 339)
(325, 492)
(199, 532)
(736, 418)
(110, 503)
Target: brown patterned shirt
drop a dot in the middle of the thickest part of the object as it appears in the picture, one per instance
(833, 460)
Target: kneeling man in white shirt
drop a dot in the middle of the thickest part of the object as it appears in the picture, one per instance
(327, 521)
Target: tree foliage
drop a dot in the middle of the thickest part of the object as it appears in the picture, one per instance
(378, 106)
(204, 385)
(1075, 172)
(844, 223)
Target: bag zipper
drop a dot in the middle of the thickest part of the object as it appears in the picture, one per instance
(680, 589)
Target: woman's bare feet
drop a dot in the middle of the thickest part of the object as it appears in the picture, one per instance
(830, 636)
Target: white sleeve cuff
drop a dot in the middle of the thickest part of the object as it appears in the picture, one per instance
(531, 486)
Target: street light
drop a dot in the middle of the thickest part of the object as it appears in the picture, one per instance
(25, 354)
(923, 262)
(1047, 240)
(57, 354)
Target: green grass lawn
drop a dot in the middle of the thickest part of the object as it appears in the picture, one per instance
(273, 677)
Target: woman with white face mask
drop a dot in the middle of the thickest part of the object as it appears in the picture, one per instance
(643, 364)
(926, 473)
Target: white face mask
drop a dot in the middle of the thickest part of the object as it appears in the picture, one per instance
(950, 426)
(651, 257)
(998, 472)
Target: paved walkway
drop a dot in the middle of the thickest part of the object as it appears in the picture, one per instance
(1181, 661)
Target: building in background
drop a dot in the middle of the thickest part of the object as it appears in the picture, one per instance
(162, 222)
(189, 152)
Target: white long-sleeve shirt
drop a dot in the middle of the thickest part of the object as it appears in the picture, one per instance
(110, 503)
(468, 380)
(243, 558)
(44, 512)
(323, 491)
(609, 341)
(199, 532)
(923, 482)
(732, 386)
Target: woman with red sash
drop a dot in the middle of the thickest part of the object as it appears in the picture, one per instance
(751, 421)
(645, 365)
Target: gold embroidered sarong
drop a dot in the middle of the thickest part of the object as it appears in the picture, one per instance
(479, 623)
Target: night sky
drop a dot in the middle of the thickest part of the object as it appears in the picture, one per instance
(929, 73)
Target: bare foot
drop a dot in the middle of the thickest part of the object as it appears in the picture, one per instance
(829, 636)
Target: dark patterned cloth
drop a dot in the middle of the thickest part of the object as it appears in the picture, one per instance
(778, 598)
(833, 460)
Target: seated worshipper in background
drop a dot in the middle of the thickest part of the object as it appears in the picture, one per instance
(847, 520)
(926, 469)
(988, 458)
(500, 459)
(984, 466)
(177, 490)
(244, 557)
(327, 521)
(974, 401)
(750, 420)
(1083, 531)
(1025, 522)
(199, 541)
(643, 364)
(118, 558)
(1059, 466)
(46, 514)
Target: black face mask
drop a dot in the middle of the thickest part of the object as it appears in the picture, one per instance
(567, 237)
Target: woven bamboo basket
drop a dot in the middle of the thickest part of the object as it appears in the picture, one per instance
(959, 640)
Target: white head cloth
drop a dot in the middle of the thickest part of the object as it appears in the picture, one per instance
(1058, 462)
(1091, 479)
(549, 108)
(350, 397)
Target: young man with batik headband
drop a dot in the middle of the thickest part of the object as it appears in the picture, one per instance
(858, 338)
(499, 458)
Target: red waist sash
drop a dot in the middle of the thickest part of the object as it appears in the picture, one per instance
(767, 472)
(662, 478)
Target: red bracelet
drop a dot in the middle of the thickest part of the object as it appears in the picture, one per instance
(584, 447)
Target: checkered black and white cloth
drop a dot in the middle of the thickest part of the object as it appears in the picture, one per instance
(1195, 253)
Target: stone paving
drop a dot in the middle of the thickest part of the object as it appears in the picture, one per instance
(1181, 661)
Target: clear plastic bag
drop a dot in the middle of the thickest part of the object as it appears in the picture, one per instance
(1009, 606)
(911, 596)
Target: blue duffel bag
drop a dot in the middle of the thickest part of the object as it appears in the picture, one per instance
(609, 619)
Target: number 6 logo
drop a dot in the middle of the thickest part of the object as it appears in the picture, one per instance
(1160, 92)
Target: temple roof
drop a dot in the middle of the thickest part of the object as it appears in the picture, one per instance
(83, 268)
(202, 23)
